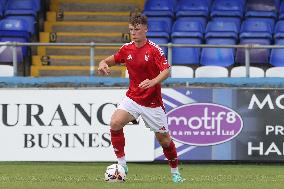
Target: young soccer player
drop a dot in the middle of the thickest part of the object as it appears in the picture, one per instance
(147, 67)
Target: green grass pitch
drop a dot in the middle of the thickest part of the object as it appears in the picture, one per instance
(38, 175)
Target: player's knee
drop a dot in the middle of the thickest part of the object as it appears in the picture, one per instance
(164, 142)
(115, 125)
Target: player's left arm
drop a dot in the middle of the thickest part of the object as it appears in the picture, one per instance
(152, 82)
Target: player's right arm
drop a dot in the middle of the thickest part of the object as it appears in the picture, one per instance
(104, 65)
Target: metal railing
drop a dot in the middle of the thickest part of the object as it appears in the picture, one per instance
(170, 46)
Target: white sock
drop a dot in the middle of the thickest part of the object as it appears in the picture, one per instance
(121, 161)
(174, 170)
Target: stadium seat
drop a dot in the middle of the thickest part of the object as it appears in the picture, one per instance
(186, 32)
(240, 71)
(21, 7)
(187, 8)
(275, 72)
(187, 28)
(181, 72)
(257, 56)
(235, 20)
(158, 28)
(262, 8)
(255, 31)
(227, 8)
(221, 29)
(281, 11)
(165, 20)
(6, 71)
(30, 20)
(256, 28)
(162, 8)
(14, 28)
(14, 31)
(277, 55)
(279, 30)
(218, 56)
(211, 72)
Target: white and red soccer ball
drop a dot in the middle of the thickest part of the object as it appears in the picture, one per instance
(115, 173)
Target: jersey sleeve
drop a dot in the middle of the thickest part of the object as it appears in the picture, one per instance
(119, 56)
(160, 59)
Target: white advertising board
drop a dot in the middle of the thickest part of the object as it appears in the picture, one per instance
(66, 125)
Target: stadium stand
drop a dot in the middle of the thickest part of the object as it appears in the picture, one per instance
(225, 22)
(85, 21)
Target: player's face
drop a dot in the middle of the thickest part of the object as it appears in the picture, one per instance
(138, 32)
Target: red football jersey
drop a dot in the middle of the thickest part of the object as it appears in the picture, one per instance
(143, 63)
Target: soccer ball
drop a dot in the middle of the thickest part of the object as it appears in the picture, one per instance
(115, 173)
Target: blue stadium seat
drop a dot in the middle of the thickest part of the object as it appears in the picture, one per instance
(30, 20)
(14, 28)
(221, 29)
(21, 7)
(279, 30)
(255, 31)
(257, 56)
(227, 8)
(186, 55)
(167, 22)
(218, 56)
(256, 28)
(159, 8)
(281, 10)
(277, 55)
(187, 8)
(158, 28)
(187, 28)
(262, 8)
(185, 31)
(235, 20)
(15, 31)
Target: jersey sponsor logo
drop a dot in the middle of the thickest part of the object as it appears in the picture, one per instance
(129, 57)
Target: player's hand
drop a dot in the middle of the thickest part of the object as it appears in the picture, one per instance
(147, 83)
(103, 69)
